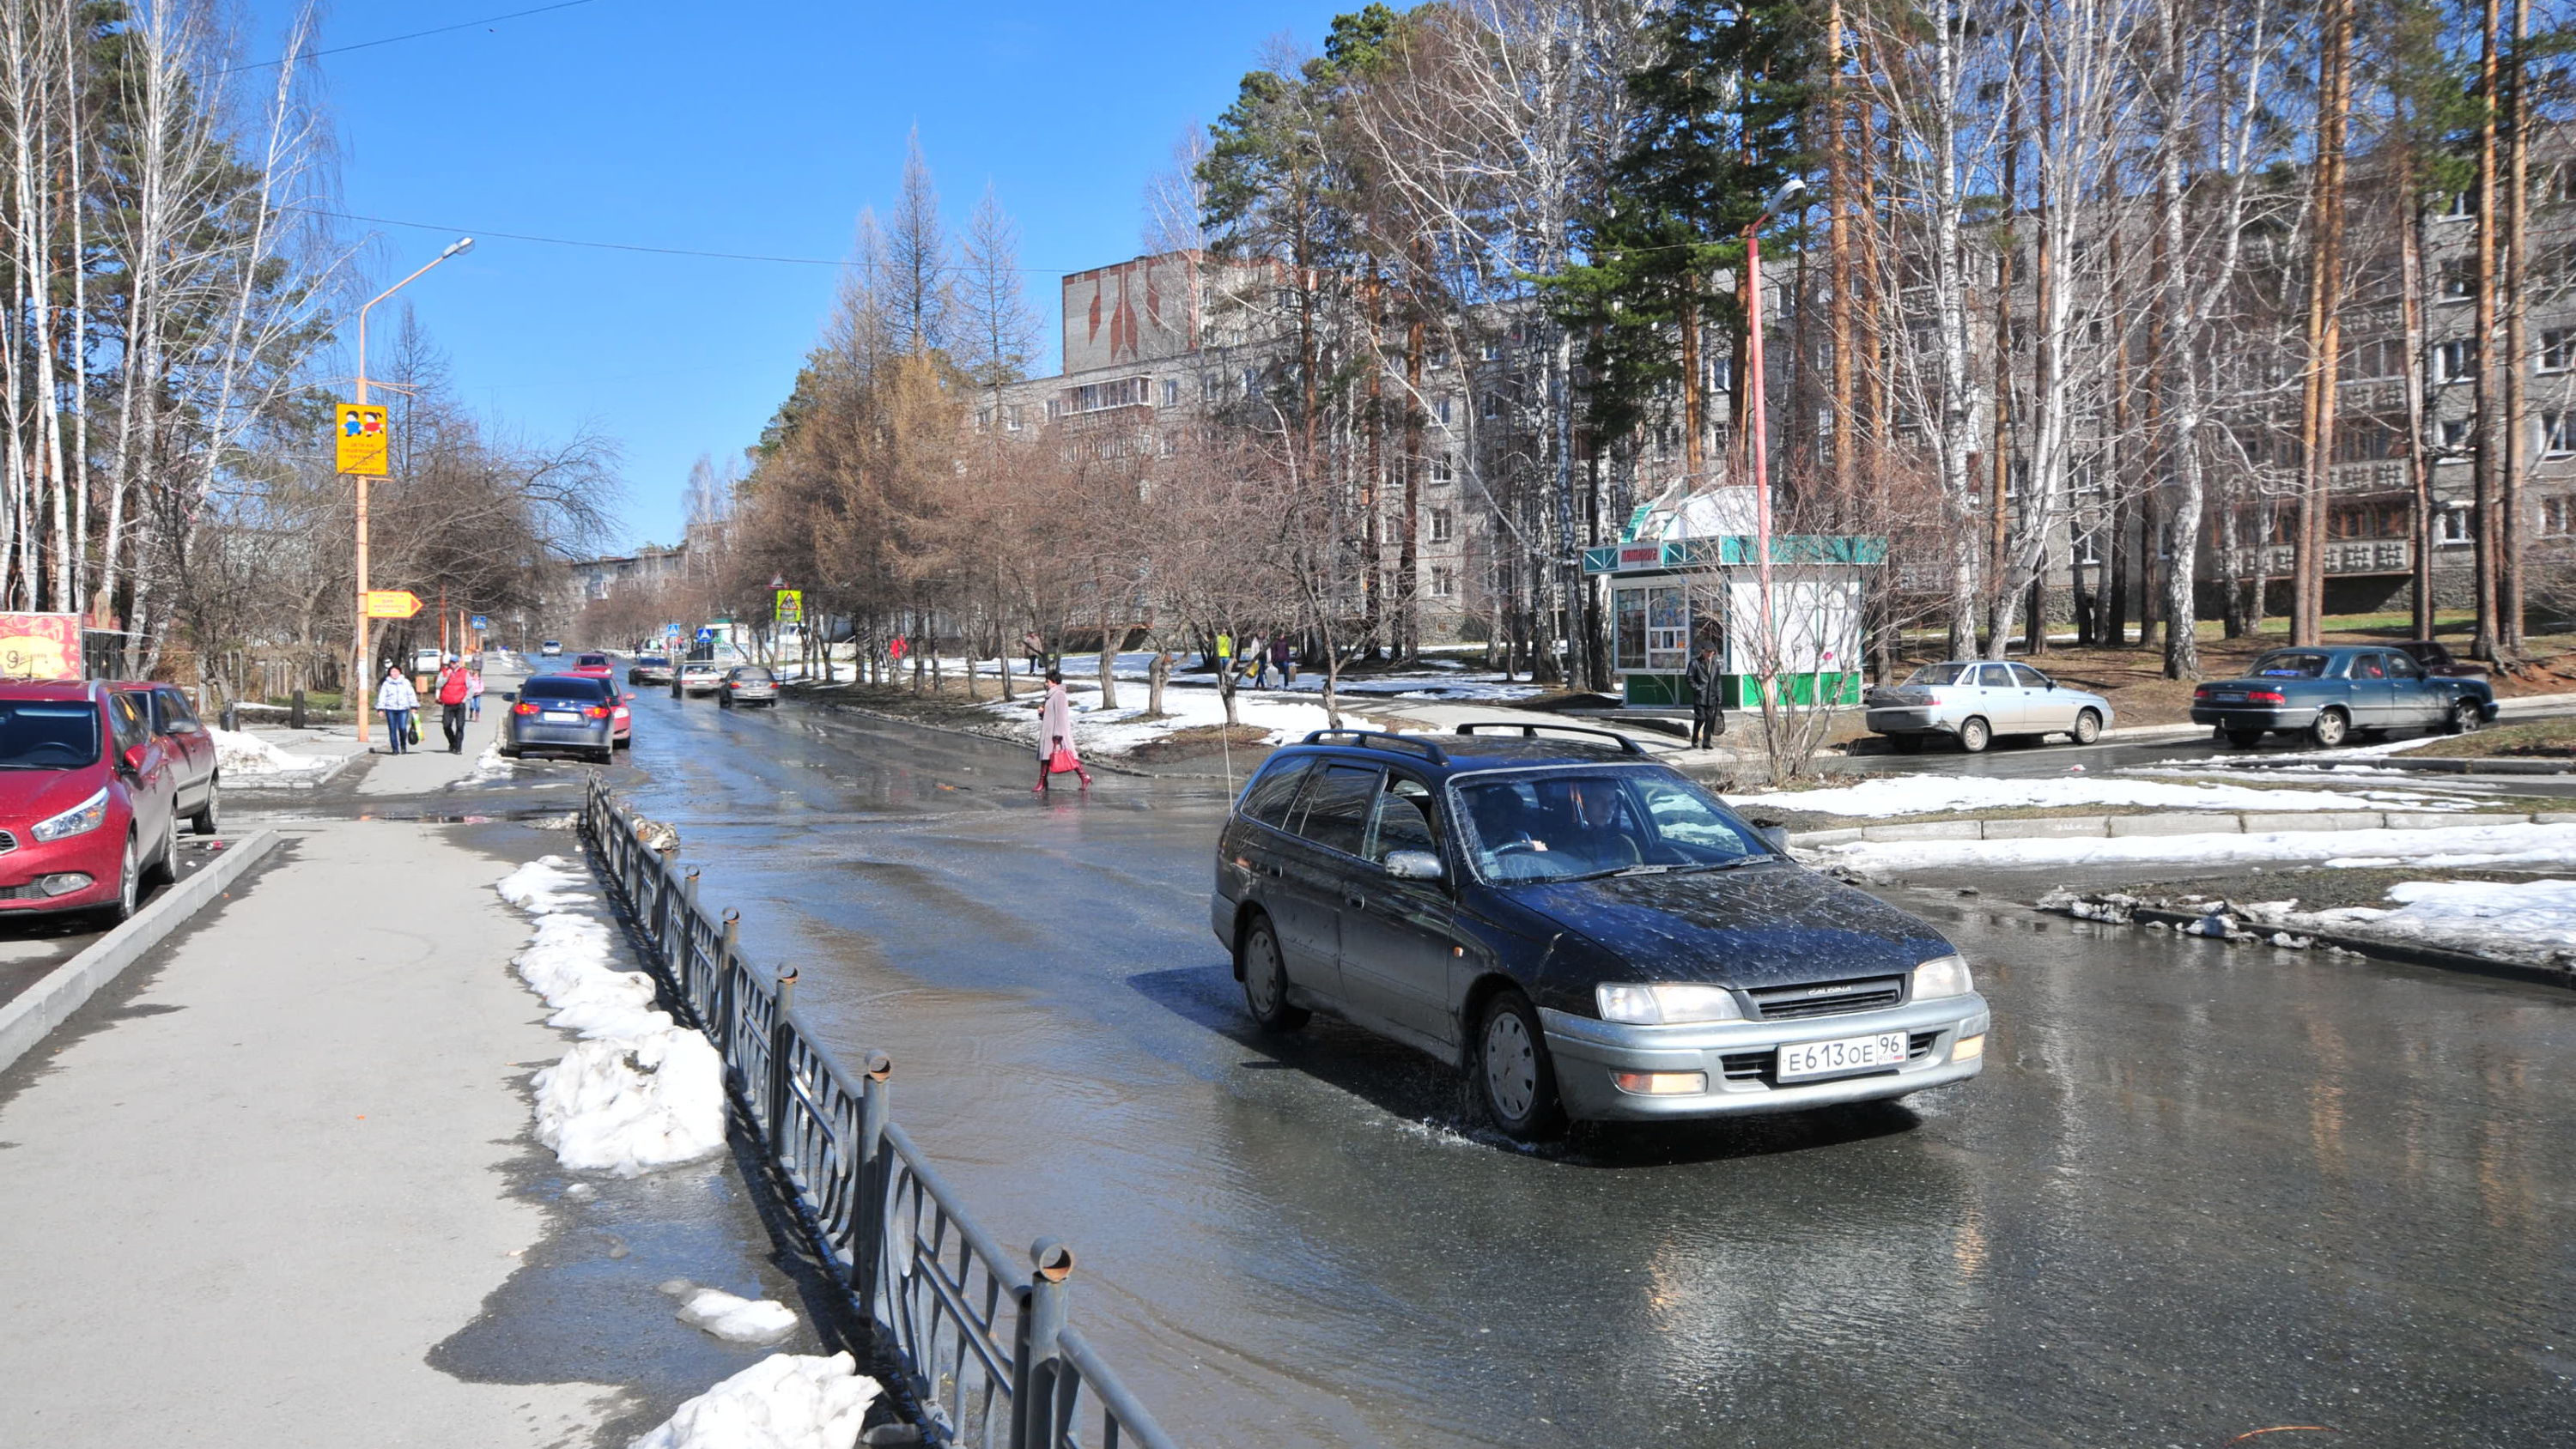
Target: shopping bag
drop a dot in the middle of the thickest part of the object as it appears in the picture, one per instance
(415, 729)
(1062, 761)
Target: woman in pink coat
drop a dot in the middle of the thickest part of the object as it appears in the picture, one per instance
(1055, 731)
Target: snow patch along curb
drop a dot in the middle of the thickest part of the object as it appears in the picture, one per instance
(785, 1401)
(2255, 925)
(638, 1091)
(2169, 822)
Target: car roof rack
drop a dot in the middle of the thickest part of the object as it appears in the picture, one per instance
(1530, 731)
(1415, 743)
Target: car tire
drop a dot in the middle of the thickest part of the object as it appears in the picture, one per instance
(604, 757)
(724, 701)
(1974, 735)
(2088, 727)
(209, 819)
(1265, 979)
(2332, 727)
(508, 752)
(1511, 1072)
(2465, 718)
(2243, 739)
(129, 888)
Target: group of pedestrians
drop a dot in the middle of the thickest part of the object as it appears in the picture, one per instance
(458, 691)
(1260, 657)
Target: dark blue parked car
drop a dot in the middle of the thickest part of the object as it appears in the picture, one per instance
(2330, 691)
(1584, 932)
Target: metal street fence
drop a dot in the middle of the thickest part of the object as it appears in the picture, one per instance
(981, 1341)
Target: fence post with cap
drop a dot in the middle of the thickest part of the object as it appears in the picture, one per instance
(868, 1217)
(1038, 1365)
(781, 1038)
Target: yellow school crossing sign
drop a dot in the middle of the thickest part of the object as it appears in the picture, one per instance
(363, 438)
(791, 606)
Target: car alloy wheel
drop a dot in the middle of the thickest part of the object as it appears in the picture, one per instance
(2466, 717)
(165, 867)
(2330, 728)
(209, 819)
(1975, 735)
(1517, 1081)
(129, 885)
(1265, 980)
(2088, 727)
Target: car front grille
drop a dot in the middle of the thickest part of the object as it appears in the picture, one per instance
(8, 842)
(1831, 998)
(1760, 1066)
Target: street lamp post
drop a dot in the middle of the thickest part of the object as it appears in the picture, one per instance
(1757, 416)
(358, 651)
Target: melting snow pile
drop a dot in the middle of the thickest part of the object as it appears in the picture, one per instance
(638, 1092)
(1925, 794)
(736, 1320)
(785, 1401)
(2530, 922)
(240, 753)
(2447, 846)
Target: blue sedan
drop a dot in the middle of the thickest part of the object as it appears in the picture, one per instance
(2327, 692)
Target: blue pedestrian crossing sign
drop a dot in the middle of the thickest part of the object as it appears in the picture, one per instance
(706, 636)
(482, 625)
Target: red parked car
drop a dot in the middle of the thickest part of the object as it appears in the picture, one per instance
(88, 797)
(192, 753)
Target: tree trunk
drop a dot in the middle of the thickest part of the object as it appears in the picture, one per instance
(2516, 364)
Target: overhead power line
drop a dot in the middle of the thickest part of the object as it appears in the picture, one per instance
(414, 35)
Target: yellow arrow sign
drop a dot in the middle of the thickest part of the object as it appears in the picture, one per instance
(390, 603)
(363, 438)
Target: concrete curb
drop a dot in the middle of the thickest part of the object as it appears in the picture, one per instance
(2446, 765)
(2411, 953)
(26, 1021)
(2173, 822)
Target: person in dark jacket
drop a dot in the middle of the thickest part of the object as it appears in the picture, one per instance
(1707, 690)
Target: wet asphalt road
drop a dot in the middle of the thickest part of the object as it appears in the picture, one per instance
(2199, 1191)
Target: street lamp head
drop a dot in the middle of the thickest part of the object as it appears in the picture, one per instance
(458, 247)
(1790, 190)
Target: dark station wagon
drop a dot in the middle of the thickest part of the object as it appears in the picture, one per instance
(1582, 931)
(2330, 692)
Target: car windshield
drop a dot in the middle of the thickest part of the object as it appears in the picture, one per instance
(1942, 674)
(1569, 826)
(48, 734)
(2290, 664)
(568, 691)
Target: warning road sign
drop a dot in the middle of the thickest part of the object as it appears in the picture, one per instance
(363, 439)
(791, 606)
(390, 603)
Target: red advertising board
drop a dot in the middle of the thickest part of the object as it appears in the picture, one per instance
(40, 646)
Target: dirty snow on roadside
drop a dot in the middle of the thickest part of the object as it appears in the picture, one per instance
(637, 1092)
(238, 752)
(730, 1317)
(1926, 794)
(2439, 847)
(2530, 922)
(1114, 732)
(785, 1401)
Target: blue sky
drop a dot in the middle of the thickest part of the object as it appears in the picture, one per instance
(759, 128)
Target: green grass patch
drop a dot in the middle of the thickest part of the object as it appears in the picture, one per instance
(2548, 739)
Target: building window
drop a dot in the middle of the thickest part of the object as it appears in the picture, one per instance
(1440, 525)
(1015, 416)
(2375, 358)
(2557, 434)
(1171, 392)
(1126, 392)
(1440, 469)
(1443, 411)
(2562, 182)
(1055, 408)
(2455, 435)
(1491, 352)
(2456, 523)
(2556, 513)
(983, 420)
(2463, 203)
(2459, 279)
(1438, 359)
(1251, 381)
(1444, 583)
(1493, 406)
(2556, 346)
(2455, 361)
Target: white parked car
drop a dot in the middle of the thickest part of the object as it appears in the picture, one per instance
(1975, 700)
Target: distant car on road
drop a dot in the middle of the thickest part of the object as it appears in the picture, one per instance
(649, 669)
(572, 714)
(748, 684)
(196, 781)
(595, 666)
(88, 798)
(702, 676)
(1974, 701)
(551, 649)
(1584, 932)
(2330, 692)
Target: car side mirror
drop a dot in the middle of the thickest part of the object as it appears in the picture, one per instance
(134, 758)
(1413, 865)
(509, 696)
(630, 697)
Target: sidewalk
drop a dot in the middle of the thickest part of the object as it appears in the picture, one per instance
(245, 1210)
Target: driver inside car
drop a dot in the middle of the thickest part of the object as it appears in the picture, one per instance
(1593, 812)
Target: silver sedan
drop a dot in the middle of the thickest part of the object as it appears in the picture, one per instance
(1973, 701)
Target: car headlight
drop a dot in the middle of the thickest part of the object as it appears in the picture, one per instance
(1942, 976)
(87, 816)
(1666, 1005)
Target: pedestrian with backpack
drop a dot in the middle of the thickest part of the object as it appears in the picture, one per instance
(455, 687)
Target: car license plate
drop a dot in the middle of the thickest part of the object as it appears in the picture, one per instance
(2229, 698)
(1832, 1058)
(560, 717)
